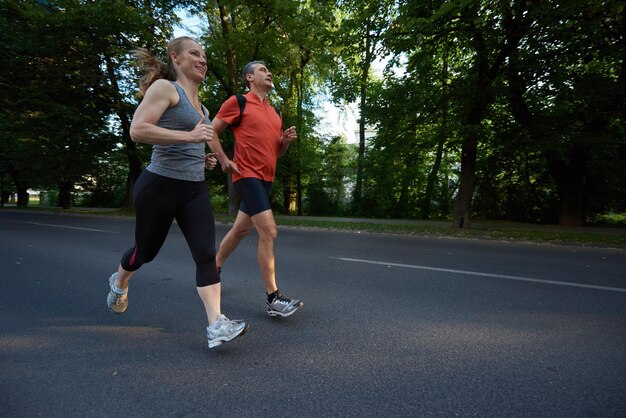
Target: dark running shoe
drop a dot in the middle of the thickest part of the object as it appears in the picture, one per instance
(283, 306)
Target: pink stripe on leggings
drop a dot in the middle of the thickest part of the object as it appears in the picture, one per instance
(132, 258)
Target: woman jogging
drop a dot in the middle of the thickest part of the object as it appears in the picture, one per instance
(171, 118)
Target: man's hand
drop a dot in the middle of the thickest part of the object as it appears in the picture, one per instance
(229, 167)
(289, 135)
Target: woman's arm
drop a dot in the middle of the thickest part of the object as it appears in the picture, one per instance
(160, 96)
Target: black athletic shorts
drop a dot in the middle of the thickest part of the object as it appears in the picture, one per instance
(254, 194)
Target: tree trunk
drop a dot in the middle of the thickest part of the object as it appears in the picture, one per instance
(65, 195)
(231, 55)
(403, 201)
(482, 96)
(21, 189)
(446, 194)
(22, 195)
(432, 175)
(233, 202)
(229, 83)
(567, 172)
(287, 189)
(134, 170)
(123, 113)
(365, 68)
(300, 126)
(442, 136)
(568, 175)
(290, 159)
(467, 182)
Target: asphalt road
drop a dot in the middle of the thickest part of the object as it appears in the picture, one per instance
(392, 326)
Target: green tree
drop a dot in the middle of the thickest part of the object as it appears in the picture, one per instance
(284, 35)
(466, 40)
(359, 40)
(73, 88)
(567, 86)
(423, 96)
(60, 116)
(115, 28)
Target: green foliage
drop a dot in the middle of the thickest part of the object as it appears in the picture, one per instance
(58, 120)
(105, 185)
(68, 89)
(288, 36)
(536, 87)
(567, 85)
(328, 189)
(550, 137)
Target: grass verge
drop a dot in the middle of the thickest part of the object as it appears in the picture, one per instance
(588, 238)
(612, 238)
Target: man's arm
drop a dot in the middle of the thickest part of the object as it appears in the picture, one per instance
(228, 166)
(288, 137)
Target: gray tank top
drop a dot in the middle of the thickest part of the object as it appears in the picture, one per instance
(179, 161)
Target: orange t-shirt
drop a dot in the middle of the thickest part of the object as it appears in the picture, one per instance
(257, 137)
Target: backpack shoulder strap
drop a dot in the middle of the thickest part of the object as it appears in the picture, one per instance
(241, 99)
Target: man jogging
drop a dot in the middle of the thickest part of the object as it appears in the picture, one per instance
(259, 141)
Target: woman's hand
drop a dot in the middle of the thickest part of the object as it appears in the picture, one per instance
(201, 132)
(210, 161)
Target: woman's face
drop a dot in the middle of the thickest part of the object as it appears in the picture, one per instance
(191, 61)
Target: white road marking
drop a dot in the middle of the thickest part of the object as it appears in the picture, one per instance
(72, 227)
(476, 273)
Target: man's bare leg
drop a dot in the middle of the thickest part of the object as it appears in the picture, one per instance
(277, 303)
(237, 232)
(266, 229)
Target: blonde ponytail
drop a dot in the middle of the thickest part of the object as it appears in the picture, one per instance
(153, 68)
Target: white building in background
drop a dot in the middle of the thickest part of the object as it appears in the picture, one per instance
(337, 121)
(341, 120)
(370, 132)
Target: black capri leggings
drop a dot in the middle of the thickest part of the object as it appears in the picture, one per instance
(158, 201)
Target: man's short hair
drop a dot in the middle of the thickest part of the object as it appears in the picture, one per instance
(249, 69)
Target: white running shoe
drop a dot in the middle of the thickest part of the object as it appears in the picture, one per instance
(224, 330)
(117, 301)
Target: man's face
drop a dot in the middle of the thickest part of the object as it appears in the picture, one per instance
(261, 77)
